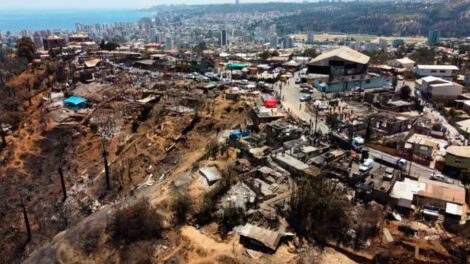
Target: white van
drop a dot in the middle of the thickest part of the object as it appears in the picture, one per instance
(366, 166)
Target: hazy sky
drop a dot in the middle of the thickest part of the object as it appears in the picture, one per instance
(73, 4)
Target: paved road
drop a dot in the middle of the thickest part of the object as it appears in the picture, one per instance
(290, 95)
(417, 170)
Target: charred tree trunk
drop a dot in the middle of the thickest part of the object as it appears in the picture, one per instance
(106, 167)
(62, 183)
(3, 136)
(26, 222)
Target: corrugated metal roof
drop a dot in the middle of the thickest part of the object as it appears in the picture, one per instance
(406, 189)
(461, 151)
(212, 174)
(92, 63)
(438, 67)
(75, 100)
(443, 191)
(454, 209)
(268, 238)
(344, 53)
(405, 60)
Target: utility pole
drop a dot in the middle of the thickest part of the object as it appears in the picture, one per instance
(106, 168)
(411, 159)
(26, 221)
(316, 120)
(2, 134)
(62, 183)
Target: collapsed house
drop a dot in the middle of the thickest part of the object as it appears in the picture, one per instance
(211, 174)
(260, 237)
(386, 126)
(280, 131)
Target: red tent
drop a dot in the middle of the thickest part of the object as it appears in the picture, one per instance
(270, 103)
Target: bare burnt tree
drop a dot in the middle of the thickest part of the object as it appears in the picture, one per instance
(26, 222)
(106, 167)
(3, 136)
(62, 183)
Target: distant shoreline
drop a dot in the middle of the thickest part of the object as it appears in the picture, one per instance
(35, 20)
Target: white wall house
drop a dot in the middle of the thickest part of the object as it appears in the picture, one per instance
(438, 88)
(443, 71)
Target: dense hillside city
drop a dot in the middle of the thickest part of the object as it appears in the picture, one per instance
(307, 132)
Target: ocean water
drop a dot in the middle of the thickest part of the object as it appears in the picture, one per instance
(17, 20)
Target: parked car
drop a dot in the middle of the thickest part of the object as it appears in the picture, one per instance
(201, 78)
(388, 174)
(366, 166)
(306, 85)
(244, 82)
(225, 81)
(306, 90)
(438, 177)
(306, 98)
(190, 76)
(261, 84)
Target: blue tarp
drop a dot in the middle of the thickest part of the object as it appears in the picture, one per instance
(236, 134)
(75, 101)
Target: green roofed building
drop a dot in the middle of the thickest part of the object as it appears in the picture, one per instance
(237, 66)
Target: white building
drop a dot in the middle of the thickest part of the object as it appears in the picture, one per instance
(273, 41)
(371, 47)
(310, 37)
(438, 88)
(354, 45)
(383, 43)
(287, 43)
(443, 71)
(169, 44)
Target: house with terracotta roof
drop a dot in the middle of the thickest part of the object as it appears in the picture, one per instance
(437, 194)
(431, 197)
